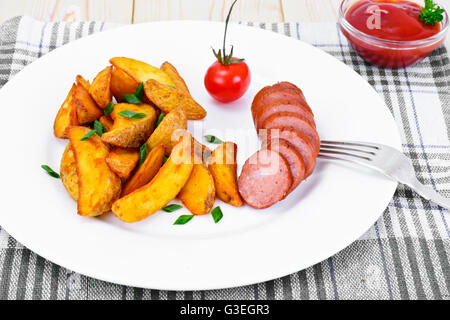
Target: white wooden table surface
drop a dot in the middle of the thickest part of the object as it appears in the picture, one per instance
(135, 11)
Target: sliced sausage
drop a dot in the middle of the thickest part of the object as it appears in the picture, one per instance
(281, 105)
(289, 85)
(265, 179)
(288, 119)
(297, 140)
(293, 158)
(276, 92)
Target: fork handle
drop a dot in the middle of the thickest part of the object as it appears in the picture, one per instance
(429, 193)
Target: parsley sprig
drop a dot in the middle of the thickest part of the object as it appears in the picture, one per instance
(431, 13)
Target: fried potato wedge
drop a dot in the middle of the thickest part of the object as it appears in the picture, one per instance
(202, 152)
(98, 185)
(68, 172)
(164, 186)
(87, 109)
(167, 99)
(198, 194)
(85, 83)
(177, 80)
(130, 133)
(107, 122)
(164, 133)
(122, 161)
(100, 89)
(146, 171)
(66, 117)
(141, 71)
(223, 168)
(122, 83)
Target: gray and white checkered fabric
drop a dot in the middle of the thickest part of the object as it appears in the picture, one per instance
(405, 255)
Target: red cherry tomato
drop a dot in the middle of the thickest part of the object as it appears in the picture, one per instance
(227, 83)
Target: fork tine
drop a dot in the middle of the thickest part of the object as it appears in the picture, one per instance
(324, 152)
(323, 146)
(351, 143)
(325, 156)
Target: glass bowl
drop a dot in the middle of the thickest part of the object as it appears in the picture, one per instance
(389, 53)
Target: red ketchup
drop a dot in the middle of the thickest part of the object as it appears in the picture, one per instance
(390, 20)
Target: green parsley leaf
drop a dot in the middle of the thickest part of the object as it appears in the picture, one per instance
(217, 214)
(131, 98)
(172, 207)
(183, 219)
(108, 109)
(131, 114)
(431, 13)
(170, 86)
(99, 128)
(213, 139)
(88, 135)
(160, 118)
(140, 91)
(50, 171)
(142, 154)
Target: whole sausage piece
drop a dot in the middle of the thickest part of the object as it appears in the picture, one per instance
(293, 158)
(265, 179)
(297, 140)
(287, 119)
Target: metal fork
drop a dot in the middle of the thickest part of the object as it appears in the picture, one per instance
(385, 159)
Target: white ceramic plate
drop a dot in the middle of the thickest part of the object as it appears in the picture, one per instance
(324, 215)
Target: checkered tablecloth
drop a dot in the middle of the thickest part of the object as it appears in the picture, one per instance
(405, 255)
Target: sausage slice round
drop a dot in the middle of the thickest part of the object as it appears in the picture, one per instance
(297, 140)
(289, 85)
(282, 105)
(277, 92)
(265, 179)
(288, 119)
(293, 158)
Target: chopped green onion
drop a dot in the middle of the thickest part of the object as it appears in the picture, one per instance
(213, 139)
(88, 135)
(140, 91)
(142, 154)
(131, 98)
(160, 118)
(108, 109)
(217, 214)
(131, 114)
(183, 219)
(172, 207)
(99, 128)
(50, 171)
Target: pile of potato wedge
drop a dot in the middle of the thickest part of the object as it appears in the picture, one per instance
(143, 157)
